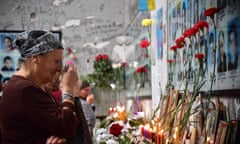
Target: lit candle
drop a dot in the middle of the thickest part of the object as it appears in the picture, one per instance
(167, 141)
(175, 136)
(157, 138)
(161, 136)
(208, 140)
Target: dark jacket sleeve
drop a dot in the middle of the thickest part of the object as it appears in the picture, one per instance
(41, 110)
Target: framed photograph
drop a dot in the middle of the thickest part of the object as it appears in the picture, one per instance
(9, 55)
(173, 100)
(211, 124)
(164, 107)
(221, 132)
(171, 108)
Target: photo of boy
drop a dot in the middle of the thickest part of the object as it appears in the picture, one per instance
(232, 45)
(7, 64)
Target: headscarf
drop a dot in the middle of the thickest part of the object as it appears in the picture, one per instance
(31, 45)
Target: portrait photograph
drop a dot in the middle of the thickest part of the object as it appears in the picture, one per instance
(211, 124)
(232, 29)
(9, 54)
(222, 58)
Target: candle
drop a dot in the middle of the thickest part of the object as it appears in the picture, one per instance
(175, 136)
(161, 136)
(208, 140)
(167, 141)
(142, 129)
(157, 138)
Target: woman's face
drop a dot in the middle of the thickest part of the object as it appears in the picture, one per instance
(48, 65)
(85, 92)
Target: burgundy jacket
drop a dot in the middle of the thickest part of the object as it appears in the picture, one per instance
(30, 115)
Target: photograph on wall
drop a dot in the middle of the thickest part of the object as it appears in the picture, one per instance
(159, 33)
(220, 46)
(211, 53)
(10, 55)
(232, 45)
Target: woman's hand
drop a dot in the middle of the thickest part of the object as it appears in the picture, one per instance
(55, 140)
(69, 79)
(90, 99)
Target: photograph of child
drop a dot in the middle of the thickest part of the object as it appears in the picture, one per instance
(232, 45)
(212, 55)
(222, 59)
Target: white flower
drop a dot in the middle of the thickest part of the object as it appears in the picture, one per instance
(111, 141)
(101, 131)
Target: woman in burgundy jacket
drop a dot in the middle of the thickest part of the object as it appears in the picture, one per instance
(29, 113)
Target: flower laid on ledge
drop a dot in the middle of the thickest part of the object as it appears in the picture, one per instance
(144, 43)
(146, 22)
(115, 129)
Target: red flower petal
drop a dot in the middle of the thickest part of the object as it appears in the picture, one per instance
(144, 43)
(170, 60)
(210, 11)
(116, 129)
(180, 42)
(173, 48)
(201, 24)
(69, 50)
(199, 55)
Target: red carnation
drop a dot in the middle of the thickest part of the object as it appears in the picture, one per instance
(144, 43)
(141, 69)
(199, 55)
(123, 64)
(180, 42)
(98, 57)
(173, 48)
(193, 30)
(105, 57)
(116, 129)
(170, 61)
(201, 24)
(69, 50)
(210, 12)
(187, 33)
